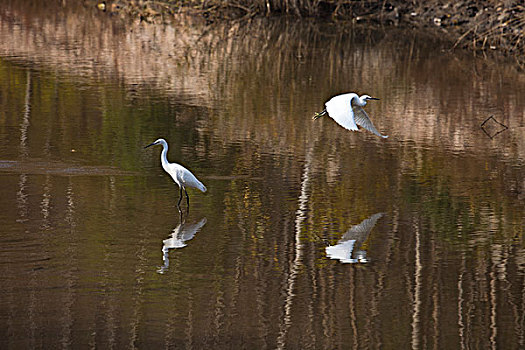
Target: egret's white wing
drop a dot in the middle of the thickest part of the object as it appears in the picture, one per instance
(191, 180)
(339, 108)
(362, 119)
(185, 176)
(361, 231)
(341, 251)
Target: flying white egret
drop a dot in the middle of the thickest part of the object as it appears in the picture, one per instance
(347, 110)
(182, 176)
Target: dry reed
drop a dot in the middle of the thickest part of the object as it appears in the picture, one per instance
(488, 25)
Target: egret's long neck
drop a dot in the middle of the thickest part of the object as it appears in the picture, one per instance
(358, 101)
(164, 155)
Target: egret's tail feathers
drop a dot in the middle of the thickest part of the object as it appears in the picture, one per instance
(319, 115)
(202, 187)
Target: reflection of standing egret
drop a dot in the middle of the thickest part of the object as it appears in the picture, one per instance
(179, 236)
(347, 249)
(347, 110)
(182, 176)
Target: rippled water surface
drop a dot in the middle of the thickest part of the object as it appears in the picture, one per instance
(309, 237)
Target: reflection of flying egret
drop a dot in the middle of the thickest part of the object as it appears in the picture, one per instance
(179, 236)
(352, 241)
(182, 176)
(347, 110)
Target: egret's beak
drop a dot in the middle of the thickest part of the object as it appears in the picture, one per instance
(373, 98)
(153, 144)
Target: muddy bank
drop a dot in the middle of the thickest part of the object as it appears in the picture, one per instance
(483, 26)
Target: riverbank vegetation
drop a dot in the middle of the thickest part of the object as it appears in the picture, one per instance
(483, 26)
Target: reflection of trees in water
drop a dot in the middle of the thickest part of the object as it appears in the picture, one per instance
(333, 305)
(260, 221)
(217, 66)
(369, 295)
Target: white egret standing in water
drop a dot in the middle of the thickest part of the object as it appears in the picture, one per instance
(182, 176)
(347, 110)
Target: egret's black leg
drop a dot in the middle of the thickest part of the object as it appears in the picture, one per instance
(319, 115)
(187, 201)
(180, 198)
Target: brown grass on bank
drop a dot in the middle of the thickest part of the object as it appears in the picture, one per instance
(485, 25)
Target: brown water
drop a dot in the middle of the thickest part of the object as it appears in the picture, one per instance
(93, 253)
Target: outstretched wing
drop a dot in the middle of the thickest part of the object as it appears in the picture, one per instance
(339, 109)
(341, 251)
(362, 119)
(361, 231)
